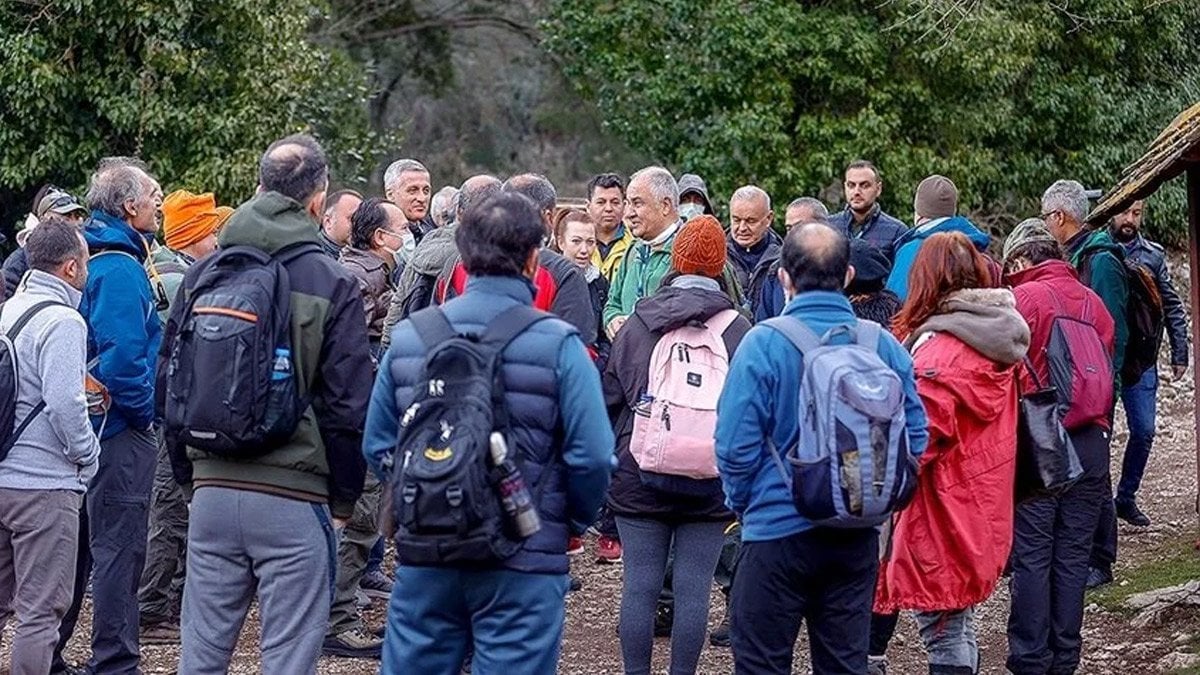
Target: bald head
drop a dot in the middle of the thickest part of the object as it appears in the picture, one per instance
(296, 167)
(815, 257)
(475, 190)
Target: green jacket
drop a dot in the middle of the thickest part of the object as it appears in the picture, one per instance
(639, 275)
(323, 461)
(1101, 265)
(169, 266)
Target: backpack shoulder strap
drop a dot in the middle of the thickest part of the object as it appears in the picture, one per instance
(511, 323)
(721, 321)
(868, 335)
(801, 337)
(28, 315)
(432, 326)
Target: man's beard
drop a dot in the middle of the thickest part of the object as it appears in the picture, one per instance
(1124, 234)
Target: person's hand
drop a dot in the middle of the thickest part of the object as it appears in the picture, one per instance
(340, 523)
(615, 325)
(1178, 371)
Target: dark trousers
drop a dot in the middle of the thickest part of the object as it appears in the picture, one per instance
(1051, 543)
(160, 593)
(83, 572)
(823, 577)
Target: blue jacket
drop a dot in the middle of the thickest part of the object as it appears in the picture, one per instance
(124, 330)
(554, 401)
(908, 245)
(761, 398)
(880, 229)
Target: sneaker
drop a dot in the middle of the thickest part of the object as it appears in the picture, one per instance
(877, 665)
(353, 644)
(1098, 577)
(361, 600)
(608, 551)
(1130, 513)
(574, 545)
(165, 633)
(376, 585)
(664, 618)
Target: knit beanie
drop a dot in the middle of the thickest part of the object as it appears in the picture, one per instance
(188, 218)
(871, 268)
(700, 248)
(1028, 231)
(937, 197)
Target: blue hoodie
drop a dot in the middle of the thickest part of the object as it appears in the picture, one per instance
(123, 327)
(907, 246)
(761, 398)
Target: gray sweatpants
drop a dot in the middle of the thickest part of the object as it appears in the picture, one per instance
(39, 532)
(242, 544)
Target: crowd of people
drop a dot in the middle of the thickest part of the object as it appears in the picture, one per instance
(834, 420)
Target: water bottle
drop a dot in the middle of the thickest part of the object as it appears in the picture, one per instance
(282, 369)
(514, 496)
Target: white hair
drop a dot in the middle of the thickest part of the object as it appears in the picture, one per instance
(814, 206)
(401, 166)
(661, 183)
(1067, 196)
(750, 192)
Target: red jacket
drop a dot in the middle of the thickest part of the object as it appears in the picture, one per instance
(950, 545)
(1036, 290)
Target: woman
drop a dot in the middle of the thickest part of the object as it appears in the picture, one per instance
(575, 238)
(950, 545)
(652, 509)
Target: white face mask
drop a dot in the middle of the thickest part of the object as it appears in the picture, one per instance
(690, 210)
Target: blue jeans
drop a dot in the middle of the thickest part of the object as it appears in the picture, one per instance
(515, 620)
(1140, 398)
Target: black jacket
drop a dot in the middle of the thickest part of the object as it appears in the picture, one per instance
(1154, 258)
(751, 265)
(15, 267)
(626, 379)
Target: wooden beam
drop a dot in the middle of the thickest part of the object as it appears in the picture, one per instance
(1193, 193)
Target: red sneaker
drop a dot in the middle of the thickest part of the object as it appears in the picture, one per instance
(574, 545)
(608, 551)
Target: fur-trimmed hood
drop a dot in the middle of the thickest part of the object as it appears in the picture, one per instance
(984, 318)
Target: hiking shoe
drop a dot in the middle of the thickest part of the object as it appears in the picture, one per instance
(608, 551)
(376, 585)
(576, 584)
(877, 665)
(353, 644)
(361, 599)
(1098, 577)
(1130, 513)
(574, 545)
(164, 633)
(664, 618)
(720, 635)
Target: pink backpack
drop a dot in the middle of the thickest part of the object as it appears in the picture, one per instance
(674, 420)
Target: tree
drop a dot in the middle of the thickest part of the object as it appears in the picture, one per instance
(1002, 96)
(197, 89)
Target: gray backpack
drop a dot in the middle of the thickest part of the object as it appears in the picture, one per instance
(851, 467)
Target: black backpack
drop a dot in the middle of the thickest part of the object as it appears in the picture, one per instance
(1145, 318)
(447, 510)
(10, 381)
(231, 381)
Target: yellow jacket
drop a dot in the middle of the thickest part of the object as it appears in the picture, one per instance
(608, 266)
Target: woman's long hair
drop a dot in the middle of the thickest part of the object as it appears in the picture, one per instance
(946, 262)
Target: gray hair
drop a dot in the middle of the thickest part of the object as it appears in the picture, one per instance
(814, 206)
(750, 192)
(475, 190)
(400, 166)
(112, 187)
(1068, 196)
(661, 183)
(536, 187)
(444, 205)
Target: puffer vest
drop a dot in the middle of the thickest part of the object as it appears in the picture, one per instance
(529, 368)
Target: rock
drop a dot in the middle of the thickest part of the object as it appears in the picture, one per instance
(1151, 605)
(1176, 661)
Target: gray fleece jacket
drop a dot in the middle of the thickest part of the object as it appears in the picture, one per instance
(58, 451)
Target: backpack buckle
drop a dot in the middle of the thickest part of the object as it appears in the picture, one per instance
(454, 495)
(409, 494)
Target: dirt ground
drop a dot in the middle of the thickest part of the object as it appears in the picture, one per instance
(1111, 644)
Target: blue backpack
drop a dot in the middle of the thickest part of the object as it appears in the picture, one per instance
(851, 467)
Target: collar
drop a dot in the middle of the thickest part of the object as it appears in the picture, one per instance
(829, 304)
(695, 281)
(44, 283)
(666, 235)
(930, 224)
(872, 215)
(515, 288)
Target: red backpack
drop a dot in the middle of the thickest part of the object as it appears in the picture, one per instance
(1080, 368)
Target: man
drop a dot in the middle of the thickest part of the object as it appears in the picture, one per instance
(1100, 263)
(511, 611)
(652, 212)
(51, 462)
(377, 230)
(190, 226)
(443, 206)
(863, 218)
(1141, 396)
(335, 224)
(751, 241)
(790, 572)
(769, 301)
(693, 197)
(406, 184)
(261, 524)
(124, 332)
(606, 206)
(52, 200)
(433, 257)
(935, 209)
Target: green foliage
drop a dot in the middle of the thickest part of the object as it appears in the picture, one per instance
(1004, 99)
(198, 89)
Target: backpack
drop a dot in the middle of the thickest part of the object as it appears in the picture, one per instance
(1145, 317)
(675, 419)
(10, 382)
(231, 383)
(1080, 368)
(446, 507)
(851, 466)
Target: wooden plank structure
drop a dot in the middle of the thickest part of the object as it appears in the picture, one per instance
(1176, 151)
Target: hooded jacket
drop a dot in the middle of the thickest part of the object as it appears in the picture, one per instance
(608, 262)
(433, 256)
(950, 544)
(124, 330)
(1101, 265)
(639, 275)
(625, 380)
(323, 462)
(908, 245)
(375, 285)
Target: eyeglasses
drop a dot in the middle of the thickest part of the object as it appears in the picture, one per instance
(1047, 214)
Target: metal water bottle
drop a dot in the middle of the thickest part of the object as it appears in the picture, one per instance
(514, 496)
